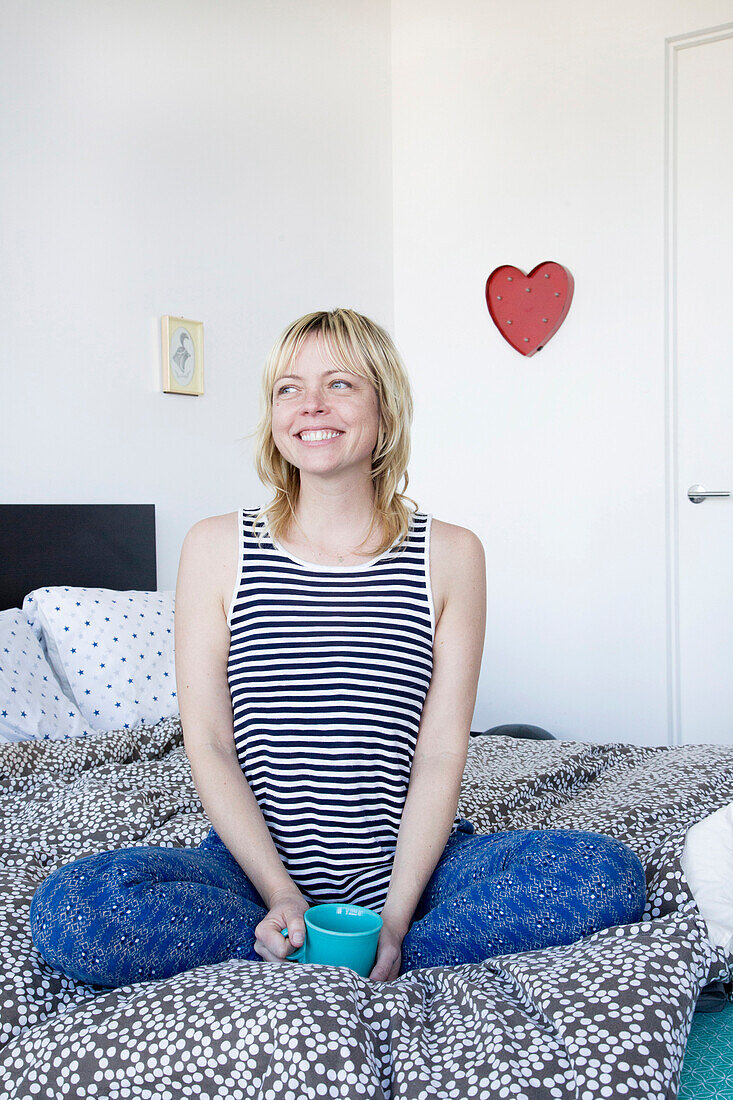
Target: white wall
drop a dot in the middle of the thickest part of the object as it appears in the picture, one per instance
(241, 162)
(522, 133)
(227, 161)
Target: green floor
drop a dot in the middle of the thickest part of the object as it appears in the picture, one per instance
(707, 1072)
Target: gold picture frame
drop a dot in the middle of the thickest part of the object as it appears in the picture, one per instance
(183, 355)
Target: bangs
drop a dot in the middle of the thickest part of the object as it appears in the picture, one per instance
(337, 344)
(346, 353)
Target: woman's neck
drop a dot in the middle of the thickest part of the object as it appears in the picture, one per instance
(342, 520)
(335, 540)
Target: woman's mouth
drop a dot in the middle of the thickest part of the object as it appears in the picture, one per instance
(318, 439)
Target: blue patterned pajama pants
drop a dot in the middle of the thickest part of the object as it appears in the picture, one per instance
(133, 914)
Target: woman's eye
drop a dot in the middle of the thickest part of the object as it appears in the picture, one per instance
(341, 381)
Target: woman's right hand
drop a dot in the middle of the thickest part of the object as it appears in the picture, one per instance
(286, 911)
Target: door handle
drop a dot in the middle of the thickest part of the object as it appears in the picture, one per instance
(698, 493)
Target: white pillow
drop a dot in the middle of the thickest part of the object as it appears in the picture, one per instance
(32, 705)
(707, 861)
(112, 652)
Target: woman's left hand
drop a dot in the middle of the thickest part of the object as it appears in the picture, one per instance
(389, 953)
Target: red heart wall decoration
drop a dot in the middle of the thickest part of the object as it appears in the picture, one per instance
(529, 309)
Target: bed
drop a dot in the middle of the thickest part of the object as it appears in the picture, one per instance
(104, 767)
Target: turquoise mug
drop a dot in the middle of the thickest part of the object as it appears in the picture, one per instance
(339, 935)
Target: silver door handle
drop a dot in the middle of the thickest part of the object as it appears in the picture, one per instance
(698, 493)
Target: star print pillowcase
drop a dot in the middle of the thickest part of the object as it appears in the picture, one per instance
(32, 705)
(112, 651)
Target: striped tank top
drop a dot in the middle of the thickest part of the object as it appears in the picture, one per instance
(328, 670)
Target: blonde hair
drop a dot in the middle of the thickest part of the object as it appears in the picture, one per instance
(358, 346)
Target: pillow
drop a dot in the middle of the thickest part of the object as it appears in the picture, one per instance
(32, 705)
(112, 651)
(707, 861)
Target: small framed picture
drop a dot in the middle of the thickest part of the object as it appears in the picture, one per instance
(183, 356)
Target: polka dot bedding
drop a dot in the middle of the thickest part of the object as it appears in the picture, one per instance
(607, 1016)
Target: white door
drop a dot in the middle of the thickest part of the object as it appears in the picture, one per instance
(702, 318)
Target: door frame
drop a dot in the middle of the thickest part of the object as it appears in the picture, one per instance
(672, 47)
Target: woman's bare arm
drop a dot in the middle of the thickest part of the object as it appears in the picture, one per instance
(445, 727)
(202, 651)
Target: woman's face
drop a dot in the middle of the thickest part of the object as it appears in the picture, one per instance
(318, 395)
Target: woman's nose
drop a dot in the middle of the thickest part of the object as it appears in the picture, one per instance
(314, 400)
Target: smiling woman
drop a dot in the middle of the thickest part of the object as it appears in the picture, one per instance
(337, 495)
(337, 416)
(326, 714)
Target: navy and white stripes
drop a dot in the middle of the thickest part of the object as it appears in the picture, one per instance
(328, 671)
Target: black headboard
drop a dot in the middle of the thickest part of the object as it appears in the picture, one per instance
(80, 545)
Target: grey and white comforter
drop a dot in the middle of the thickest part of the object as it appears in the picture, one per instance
(607, 1016)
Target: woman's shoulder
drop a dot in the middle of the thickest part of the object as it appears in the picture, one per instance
(211, 529)
(454, 552)
(451, 538)
(217, 539)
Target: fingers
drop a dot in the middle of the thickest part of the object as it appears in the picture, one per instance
(275, 929)
(296, 935)
(271, 944)
(381, 976)
(264, 952)
(387, 965)
(282, 930)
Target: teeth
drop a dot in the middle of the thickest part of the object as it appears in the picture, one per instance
(311, 436)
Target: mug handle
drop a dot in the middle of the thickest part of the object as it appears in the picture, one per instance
(297, 955)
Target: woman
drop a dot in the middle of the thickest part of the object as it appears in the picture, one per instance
(328, 651)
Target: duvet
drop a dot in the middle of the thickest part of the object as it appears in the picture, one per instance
(607, 1016)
